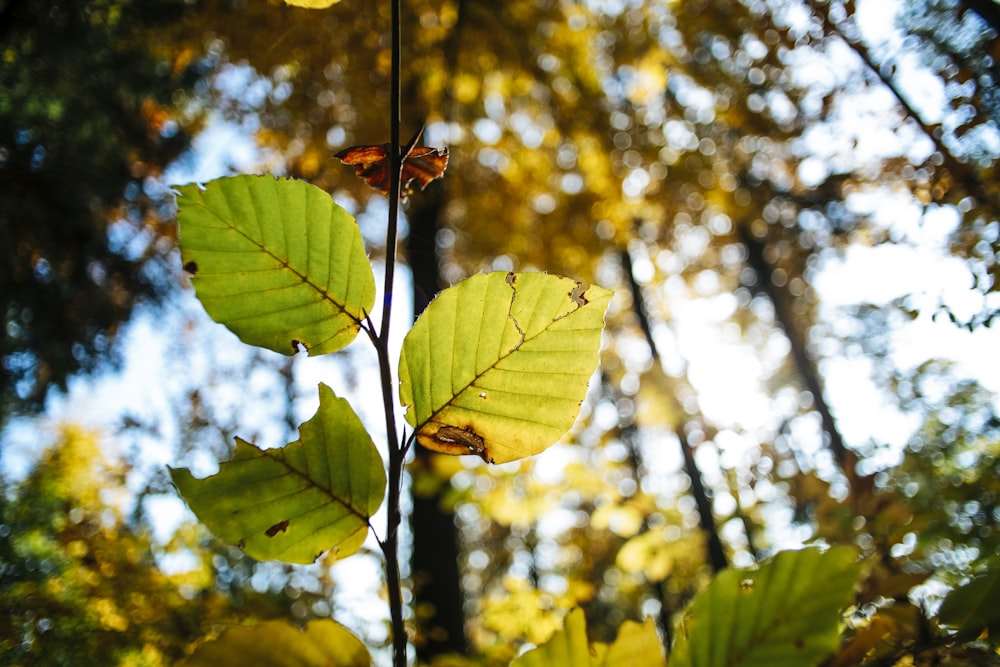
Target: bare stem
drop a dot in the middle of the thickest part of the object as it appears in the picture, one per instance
(390, 547)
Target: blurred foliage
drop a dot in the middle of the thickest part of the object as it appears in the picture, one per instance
(323, 643)
(77, 578)
(579, 131)
(86, 126)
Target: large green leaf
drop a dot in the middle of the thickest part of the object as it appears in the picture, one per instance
(785, 614)
(276, 261)
(499, 364)
(636, 646)
(974, 607)
(295, 502)
(324, 643)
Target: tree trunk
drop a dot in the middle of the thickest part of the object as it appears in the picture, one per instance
(434, 561)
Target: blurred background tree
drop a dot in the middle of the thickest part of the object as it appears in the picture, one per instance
(709, 160)
(87, 123)
(84, 581)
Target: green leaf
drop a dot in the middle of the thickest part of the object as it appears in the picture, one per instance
(280, 644)
(972, 608)
(637, 645)
(786, 613)
(499, 364)
(295, 502)
(276, 261)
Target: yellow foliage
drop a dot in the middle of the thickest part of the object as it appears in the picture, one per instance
(656, 557)
(76, 469)
(109, 615)
(77, 548)
(520, 508)
(465, 88)
(523, 612)
(312, 4)
(646, 553)
(622, 520)
(586, 480)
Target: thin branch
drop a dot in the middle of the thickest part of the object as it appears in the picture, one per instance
(378, 539)
(960, 171)
(845, 458)
(716, 554)
(742, 516)
(913, 650)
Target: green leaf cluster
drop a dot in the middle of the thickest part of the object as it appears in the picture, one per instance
(497, 366)
(787, 613)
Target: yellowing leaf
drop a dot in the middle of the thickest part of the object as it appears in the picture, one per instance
(567, 647)
(280, 644)
(866, 641)
(295, 502)
(637, 645)
(498, 365)
(276, 261)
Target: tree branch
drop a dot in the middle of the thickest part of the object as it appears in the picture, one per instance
(845, 458)
(960, 171)
(716, 554)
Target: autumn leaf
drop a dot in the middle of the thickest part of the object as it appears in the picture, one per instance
(637, 645)
(498, 365)
(420, 166)
(295, 502)
(280, 644)
(276, 261)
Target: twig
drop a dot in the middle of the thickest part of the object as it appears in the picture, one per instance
(962, 172)
(845, 458)
(390, 546)
(716, 554)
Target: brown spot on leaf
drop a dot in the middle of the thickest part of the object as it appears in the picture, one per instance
(279, 527)
(800, 643)
(298, 346)
(191, 267)
(456, 442)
